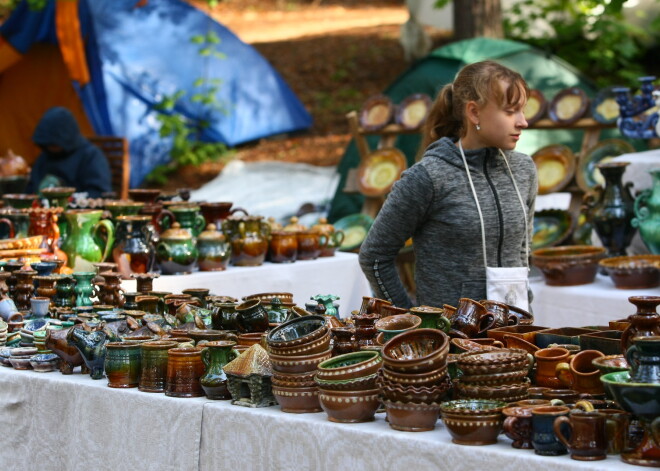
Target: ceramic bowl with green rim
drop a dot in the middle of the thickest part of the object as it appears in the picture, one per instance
(350, 366)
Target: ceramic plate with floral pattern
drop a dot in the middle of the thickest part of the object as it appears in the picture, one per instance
(378, 172)
(555, 165)
(355, 227)
(587, 174)
(604, 107)
(551, 227)
(536, 106)
(413, 110)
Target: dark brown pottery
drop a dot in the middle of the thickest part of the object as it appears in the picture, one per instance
(588, 440)
(153, 377)
(184, 370)
(643, 323)
(568, 265)
(283, 247)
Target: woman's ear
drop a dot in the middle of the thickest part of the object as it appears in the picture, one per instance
(472, 112)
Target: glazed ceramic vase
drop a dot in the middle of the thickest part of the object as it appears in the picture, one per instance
(215, 356)
(134, 251)
(611, 209)
(123, 364)
(153, 360)
(188, 217)
(24, 288)
(643, 356)
(214, 250)
(647, 214)
(20, 223)
(65, 295)
(645, 322)
(248, 236)
(80, 246)
(328, 300)
(84, 289)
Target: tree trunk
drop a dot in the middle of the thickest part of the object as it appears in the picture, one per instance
(474, 18)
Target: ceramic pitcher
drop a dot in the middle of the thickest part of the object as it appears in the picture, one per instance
(248, 236)
(611, 209)
(80, 246)
(215, 356)
(647, 214)
(134, 251)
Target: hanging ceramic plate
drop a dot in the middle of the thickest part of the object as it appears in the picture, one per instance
(378, 172)
(551, 227)
(413, 110)
(604, 107)
(536, 107)
(376, 113)
(568, 106)
(555, 166)
(587, 174)
(355, 227)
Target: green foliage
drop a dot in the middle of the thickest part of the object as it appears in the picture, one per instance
(592, 35)
(185, 133)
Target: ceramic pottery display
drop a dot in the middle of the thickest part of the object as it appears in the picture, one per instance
(214, 250)
(633, 271)
(24, 288)
(335, 237)
(252, 316)
(470, 318)
(393, 325)
(176, 252)
(580, 373)
(647, 214)
(56, 341)
(65, 295)
(144, 281)
(216, 212)
(568, 265)
(611, 211)
(188, 217)
(123, 364)
(283, 247)
(110, 292)
(518, 425)
(79, 245)
(432, 318)
(645, 322)
(133, 251)
(617, 423)
(91, 346)
(215, 356)
(586, 439)
(547, 360)
(58, 196)
(328, 300)
(248, 236)
(544, 439)
(19, 223)
(474, 421)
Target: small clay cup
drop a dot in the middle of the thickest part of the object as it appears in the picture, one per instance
(547, 360)
(184, 370)
(580, 373)
(123, 364)
(544, 440)
(588, 440)
(153, 377)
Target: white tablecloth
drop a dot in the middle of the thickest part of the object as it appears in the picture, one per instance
(584, 305)
(58, 422)
(339, 275)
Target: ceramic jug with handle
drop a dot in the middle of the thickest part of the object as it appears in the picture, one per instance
(80, 245)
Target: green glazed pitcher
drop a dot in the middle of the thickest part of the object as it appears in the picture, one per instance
(80, 246)
(215, 356)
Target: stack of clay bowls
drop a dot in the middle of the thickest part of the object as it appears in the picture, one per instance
(499, 375)
(295, 349)
(414, 379)
(473, 421)
(347, 386)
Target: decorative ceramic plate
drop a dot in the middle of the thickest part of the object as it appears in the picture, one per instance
(378, 172)
(413, 110)
(587, 174)
(376, 113)
(604, 107)
(568, 106)
(31, 242)
(551, 227)
(355, 227)
(10, 253)
(536, 106)
(555, 165)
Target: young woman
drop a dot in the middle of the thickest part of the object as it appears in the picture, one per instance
(474, 125)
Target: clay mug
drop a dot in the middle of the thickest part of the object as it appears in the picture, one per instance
(468, 318)
(518, 426)
(122, 364)
(643, 356)
(184, 370)
(216, 212)
(153, 359)
(547, 360)
(617, 423)
(252, 316)
(580, 374)
(371, 305)
(588, 440)
(310, 244)
(544, 440)
(39, 306)
(499, 313)
(432, 318)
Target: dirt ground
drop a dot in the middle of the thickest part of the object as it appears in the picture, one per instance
(333, 54)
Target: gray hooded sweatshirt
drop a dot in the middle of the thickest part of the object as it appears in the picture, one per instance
(433, 204)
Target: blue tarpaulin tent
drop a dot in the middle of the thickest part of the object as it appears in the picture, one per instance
(111, 61)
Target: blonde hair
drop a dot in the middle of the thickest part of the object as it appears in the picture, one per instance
(478, 82)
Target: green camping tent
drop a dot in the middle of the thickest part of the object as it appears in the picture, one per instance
(542, 71)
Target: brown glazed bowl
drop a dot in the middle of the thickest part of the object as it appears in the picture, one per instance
(298, 364)
(568, 265)
(633, 271)
(416, 351)
(350, 366)
(473, 421)
(316, 346)
(427, 378)
(297, 400)
(418, 394)
(411, 417)
(349, 406)
(298, 331)
(359, 384)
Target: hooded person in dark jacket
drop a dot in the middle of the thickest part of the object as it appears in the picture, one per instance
(67, 155)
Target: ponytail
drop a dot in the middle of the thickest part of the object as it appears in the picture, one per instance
(442, 120)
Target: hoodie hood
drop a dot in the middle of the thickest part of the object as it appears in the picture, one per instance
(447, 150)
(58, 127)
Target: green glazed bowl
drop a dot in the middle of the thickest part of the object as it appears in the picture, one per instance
(641, 399)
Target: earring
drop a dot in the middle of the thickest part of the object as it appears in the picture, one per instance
(478, 127)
